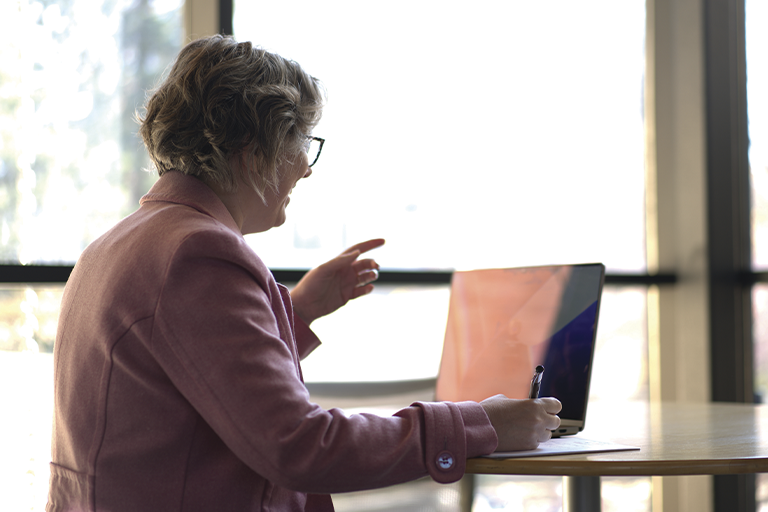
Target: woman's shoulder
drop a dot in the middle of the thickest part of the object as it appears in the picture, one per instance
(202, 237)
(154, 239)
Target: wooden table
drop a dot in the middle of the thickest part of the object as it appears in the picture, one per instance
(674, 439)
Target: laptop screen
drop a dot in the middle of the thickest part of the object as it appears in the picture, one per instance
(502, 323)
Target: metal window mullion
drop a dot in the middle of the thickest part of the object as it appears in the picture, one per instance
(729, 244)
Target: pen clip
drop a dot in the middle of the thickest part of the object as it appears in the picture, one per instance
(538, 375)
(536, 382)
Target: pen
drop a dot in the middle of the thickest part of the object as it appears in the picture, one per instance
(536, 382)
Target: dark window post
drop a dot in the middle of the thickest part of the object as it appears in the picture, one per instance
(729, 225)
(225, 17)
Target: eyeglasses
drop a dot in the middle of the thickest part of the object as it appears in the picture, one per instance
(314, 146)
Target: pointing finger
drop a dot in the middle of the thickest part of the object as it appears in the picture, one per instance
(366, 246)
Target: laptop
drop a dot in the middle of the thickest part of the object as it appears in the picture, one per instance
(502, 323)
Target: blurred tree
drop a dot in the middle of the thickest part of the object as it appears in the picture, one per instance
(152, 42)
(72, 74)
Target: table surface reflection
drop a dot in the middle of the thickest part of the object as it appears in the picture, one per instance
(674, 439)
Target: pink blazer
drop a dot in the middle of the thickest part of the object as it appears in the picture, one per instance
(178, 385)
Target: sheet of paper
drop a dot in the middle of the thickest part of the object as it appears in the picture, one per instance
(567, 445)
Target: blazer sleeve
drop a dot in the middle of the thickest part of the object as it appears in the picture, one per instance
(221, 337)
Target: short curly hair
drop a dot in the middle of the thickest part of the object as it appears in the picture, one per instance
(225, 103)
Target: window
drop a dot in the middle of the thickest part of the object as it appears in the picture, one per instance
(72, 72)
(473, 139)
(501, 134)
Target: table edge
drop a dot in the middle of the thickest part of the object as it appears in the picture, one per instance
(559, 467)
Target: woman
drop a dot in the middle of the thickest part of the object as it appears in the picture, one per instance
(177, 378)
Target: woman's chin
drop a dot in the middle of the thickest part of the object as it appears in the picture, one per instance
(280, 219)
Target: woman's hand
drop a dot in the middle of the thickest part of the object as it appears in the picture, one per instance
(326, 288)
(522, 424)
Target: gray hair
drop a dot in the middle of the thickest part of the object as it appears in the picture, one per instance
(225, 103)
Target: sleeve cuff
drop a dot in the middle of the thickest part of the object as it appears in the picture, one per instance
(452, 433)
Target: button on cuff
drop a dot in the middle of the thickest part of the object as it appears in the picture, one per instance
(445, 461)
